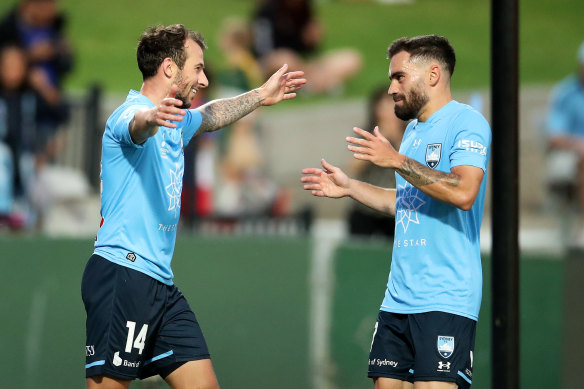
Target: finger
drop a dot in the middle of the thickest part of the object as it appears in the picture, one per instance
(328, 166)
(311, 179)
(312, 187)
(360, 150)
(295, 84)
(296, 81)
(281, 71)
(378, 133)
(358, 141)
(171, 102)
(311, 170)
(365, 134)
(164, 123)
(170, 117)
(318, 193)
(363, 157)
(295, 74)
(288, 96)
(173, 90)
(169, 107)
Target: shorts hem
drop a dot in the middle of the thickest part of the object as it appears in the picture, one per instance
(434, 378)
(149, 373)
(195, 358)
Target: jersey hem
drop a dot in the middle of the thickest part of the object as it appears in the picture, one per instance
(125, 263)
(429, 309)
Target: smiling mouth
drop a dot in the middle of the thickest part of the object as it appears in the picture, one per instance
(194, 91)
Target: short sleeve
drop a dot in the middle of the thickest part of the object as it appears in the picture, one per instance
(471, 141)
(191, 123)
(121, 125)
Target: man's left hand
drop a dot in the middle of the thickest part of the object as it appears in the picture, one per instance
(281, 86)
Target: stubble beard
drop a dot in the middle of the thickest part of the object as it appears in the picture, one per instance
(412, 104)
(180, 93)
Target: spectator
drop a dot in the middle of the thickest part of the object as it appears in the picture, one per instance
(242, 71)
(365, 221)
(21, 109)
(38, 27)
(288, 31)
(565, 126)
(243, 187)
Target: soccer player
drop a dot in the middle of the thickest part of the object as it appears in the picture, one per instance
(138, 323)
(425, 332)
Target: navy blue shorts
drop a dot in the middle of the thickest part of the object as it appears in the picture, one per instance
(136, 326)
(431, 346)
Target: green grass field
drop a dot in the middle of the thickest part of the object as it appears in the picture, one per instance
(104, 34)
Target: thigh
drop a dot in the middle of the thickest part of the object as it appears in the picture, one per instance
(391, 383)
(179, 338)
(101, 382)
(444, 345)
(392, 353)
(124, 309)
(193, 374)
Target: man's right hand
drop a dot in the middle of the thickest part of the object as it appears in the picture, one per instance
(168, 110)
(327, 182)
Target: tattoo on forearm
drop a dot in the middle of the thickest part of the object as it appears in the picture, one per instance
(420, 175)
(220, 113)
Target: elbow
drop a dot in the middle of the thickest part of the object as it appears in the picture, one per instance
(464, 201)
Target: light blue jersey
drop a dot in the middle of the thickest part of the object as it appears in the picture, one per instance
(436, 262)
(141, 191)
(566, 114)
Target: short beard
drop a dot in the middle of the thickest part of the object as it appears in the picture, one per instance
(186, 103)
(411, 104)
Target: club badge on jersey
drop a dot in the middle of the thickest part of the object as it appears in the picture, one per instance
(433, 154)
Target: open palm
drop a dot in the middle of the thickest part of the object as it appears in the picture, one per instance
(327, 182)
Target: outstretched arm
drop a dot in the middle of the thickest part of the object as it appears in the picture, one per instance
(145, 122)
(281, 86)
(459, 187)
(334, 183)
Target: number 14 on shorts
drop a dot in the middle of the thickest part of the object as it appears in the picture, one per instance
(140, 340)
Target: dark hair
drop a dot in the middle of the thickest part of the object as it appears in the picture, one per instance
(160, 42)
(426, 47)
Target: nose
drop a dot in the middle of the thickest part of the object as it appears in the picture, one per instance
(392, 88)
(203, 81)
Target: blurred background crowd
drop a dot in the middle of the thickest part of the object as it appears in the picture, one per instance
(50, 133)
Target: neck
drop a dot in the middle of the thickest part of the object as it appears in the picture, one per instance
(434, 104)
(155, 90)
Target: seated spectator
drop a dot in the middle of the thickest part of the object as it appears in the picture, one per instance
(565, 127)
(287, 31)
(364, 221)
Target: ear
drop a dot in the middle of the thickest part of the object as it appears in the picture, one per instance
(434, 74)
(168, 67)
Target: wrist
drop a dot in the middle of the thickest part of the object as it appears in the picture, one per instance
(261, 94)
(347, 191)
(401, 159)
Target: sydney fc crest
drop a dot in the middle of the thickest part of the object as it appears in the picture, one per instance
(433, 154)
(445, 346)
